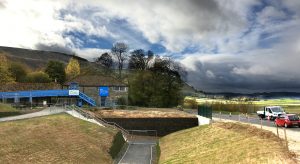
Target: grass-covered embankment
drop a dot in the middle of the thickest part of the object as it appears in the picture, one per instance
(223, 143)
(55, 139)
(7, 110)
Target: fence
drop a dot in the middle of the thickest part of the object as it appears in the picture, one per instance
(260, 123)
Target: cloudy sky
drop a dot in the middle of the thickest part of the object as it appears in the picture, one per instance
(226, 45)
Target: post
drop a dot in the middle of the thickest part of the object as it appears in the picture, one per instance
(230, 114)
(277, 130)
(261, 124)
(220, 116)
(286, 141)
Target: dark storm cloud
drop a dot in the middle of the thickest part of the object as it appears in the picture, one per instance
(257, 73)
(54, 48)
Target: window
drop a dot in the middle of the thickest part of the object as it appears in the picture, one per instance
(120, 89)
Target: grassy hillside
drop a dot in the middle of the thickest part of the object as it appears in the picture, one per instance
(223, 143)
(54, 139)
(36, 58)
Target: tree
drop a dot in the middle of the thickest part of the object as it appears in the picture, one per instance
(105, 60)
(18, 71)
(56, 71)
(73, 68)
(38, 77)
(5, 74)
(119, 50)
(158, 86)
(139, 60)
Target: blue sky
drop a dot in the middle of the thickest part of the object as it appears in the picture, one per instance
(226, 45)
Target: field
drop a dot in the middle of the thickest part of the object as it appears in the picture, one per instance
(54, 139)
(223, 143)
(290, 105)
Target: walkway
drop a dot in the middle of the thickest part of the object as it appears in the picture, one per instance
(140, 151)
(45, 112)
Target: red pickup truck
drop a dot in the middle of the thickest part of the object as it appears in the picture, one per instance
(288, 120)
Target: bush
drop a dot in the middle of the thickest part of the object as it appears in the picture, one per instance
(117, 145)
(18, 71)
(122, 100)
(38, 77)
(190, 103)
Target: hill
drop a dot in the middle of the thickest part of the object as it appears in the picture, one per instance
(36, 58)
(55, 139)
(223, 143)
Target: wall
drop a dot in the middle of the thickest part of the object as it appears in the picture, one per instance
(163, 126)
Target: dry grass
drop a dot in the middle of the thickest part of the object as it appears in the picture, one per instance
(143, 113)
(54, 139)
(223, 143)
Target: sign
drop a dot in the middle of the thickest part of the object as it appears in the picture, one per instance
(73, 92)
(103, 91)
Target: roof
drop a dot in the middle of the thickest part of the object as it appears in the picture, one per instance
(28, 86)
(96, 80)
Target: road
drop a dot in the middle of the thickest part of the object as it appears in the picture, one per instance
(251, 120)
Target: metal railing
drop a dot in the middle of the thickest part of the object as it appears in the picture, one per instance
(98, 119)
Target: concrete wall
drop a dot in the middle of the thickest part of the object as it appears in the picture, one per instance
(163, 126)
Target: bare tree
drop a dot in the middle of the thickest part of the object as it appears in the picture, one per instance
(119, 50)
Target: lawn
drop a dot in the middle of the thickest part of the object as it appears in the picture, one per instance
(223, 143)
(7, 110)
(55, 139)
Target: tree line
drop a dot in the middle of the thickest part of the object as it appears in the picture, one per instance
(55, 71)
(154, 81)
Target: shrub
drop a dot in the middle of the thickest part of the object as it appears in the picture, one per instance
(190, 103)
(38, 77)
(122, 100)
(117, 145)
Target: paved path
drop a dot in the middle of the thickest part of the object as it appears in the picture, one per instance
(45, 112)
(139, 152)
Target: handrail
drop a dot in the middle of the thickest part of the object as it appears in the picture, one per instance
(97, 118)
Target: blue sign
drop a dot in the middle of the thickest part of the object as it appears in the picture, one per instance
(103, 91)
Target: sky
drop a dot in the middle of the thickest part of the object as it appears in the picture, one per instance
(225, 45)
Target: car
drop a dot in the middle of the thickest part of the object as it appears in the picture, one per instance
(270, 112)
(288, 120)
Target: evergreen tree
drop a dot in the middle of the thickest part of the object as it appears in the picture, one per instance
(56, 71)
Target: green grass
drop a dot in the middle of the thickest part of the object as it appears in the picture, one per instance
(7, 108)
(55, 139)
(223, 143)
(289, 105)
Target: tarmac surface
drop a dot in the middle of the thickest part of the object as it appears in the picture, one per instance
(251, 120)
(140, 151)
(45, 112)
